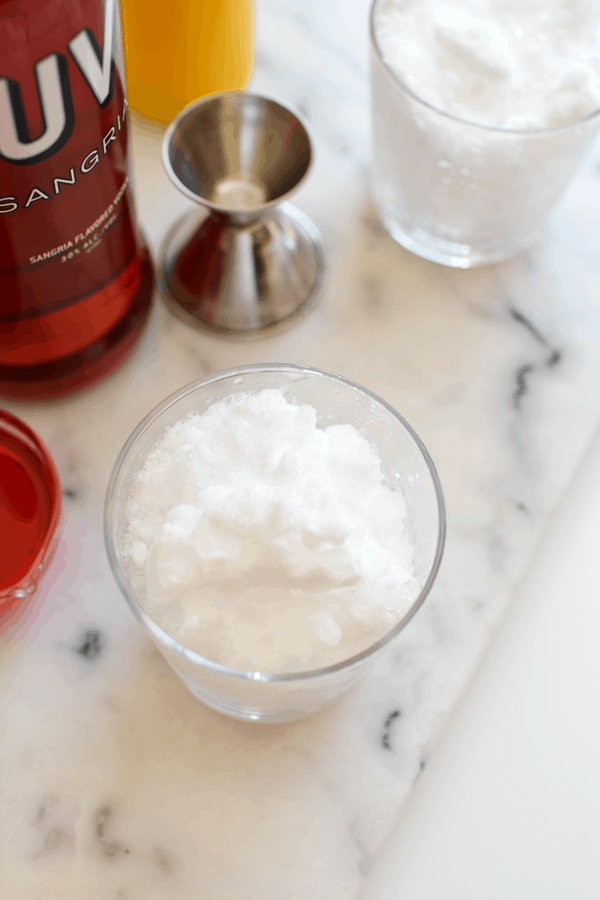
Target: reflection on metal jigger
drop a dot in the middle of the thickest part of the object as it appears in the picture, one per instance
(249, 265)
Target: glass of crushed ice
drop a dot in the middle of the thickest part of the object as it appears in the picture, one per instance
(273, 527)
(481, 114)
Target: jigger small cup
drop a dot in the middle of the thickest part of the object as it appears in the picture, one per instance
(251, 263)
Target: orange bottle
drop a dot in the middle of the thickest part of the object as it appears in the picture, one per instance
(176, 52)
(75, 283)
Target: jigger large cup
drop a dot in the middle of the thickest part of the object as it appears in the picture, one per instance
(249, 264)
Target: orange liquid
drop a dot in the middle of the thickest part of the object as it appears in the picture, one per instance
(29, 507)
(178, 51)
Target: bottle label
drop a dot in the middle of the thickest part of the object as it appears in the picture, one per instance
(66, 229)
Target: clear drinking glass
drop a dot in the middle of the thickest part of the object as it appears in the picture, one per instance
(460, 193)
(276, 697)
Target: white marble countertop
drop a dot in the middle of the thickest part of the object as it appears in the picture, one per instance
(116, 782)
(509, 805)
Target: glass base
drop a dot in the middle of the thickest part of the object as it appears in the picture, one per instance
(264, 702)
(447, 253)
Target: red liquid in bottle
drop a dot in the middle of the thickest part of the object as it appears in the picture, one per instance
(29, 511)
(75, 284)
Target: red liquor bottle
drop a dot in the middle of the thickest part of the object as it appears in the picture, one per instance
(75, 281)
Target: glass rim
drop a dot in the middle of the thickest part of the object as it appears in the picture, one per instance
(191, 655)
(523, 132)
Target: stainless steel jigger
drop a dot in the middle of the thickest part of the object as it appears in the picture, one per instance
(249, 265)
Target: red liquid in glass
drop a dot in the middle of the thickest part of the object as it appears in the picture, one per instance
(29, 511)
(25, 511)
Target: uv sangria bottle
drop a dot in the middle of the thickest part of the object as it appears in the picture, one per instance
(75, 281)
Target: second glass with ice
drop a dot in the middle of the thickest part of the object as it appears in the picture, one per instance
(481, 115)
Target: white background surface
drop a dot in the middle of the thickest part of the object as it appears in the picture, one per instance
(510, 806)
